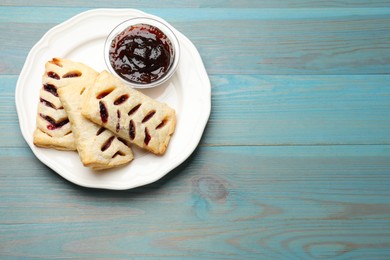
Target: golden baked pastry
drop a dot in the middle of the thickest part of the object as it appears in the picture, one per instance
(130, 114)
(53, 129)
(98, 148)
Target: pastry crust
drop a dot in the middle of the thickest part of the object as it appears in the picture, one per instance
(98, 148)
(42, 139)
(130, 114)
(53, 129)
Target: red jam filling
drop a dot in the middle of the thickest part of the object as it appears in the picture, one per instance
(141, 53)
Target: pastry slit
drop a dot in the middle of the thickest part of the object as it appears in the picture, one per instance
(72, 74)
(121, 99)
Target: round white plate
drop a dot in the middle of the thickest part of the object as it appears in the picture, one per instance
(81, 39)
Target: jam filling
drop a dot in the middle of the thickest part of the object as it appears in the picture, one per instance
(53, 75)
(47, 103)
(147, 137)
(56, 61)
(107, 144)
(50, 88)
(121, 99)
(148, 116)
(162, 124)
(132, 130)
(118, 153)
(103, 112)
(118, 125)
(72, 74)
(141, 53)
(134, 109)
(101, 130)
(53, 124)
(104, 93)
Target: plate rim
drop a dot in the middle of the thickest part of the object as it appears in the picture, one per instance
(43, 43)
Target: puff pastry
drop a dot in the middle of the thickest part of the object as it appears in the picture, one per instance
(130, 114)
(53, 128)
(98, 148)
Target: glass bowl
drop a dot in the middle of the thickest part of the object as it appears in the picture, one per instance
(138, 66)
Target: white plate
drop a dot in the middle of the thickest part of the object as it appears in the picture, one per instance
(81, 39)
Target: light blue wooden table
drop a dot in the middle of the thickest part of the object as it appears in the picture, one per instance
(294, 162)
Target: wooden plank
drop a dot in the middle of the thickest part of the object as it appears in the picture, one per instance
(130, 238)
(58, 14)
(10, 134)
(324, 41)
(299, 110)
(272, 202)
(294, 163)
(201, 3)
(273, 110)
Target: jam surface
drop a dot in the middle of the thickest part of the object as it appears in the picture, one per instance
(141, 53)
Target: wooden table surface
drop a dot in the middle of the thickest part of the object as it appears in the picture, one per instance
(294, 162)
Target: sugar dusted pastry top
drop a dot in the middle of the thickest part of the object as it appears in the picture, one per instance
(130, 114)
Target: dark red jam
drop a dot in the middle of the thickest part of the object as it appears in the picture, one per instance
(107, 144)
(103, 112)
(141, 53)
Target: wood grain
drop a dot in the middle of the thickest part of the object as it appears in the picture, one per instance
(274, 202)
(203, 3)
(294, 162)
(299, 110)
(331, 41)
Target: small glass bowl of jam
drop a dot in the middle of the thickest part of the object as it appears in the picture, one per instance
(142, 52)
